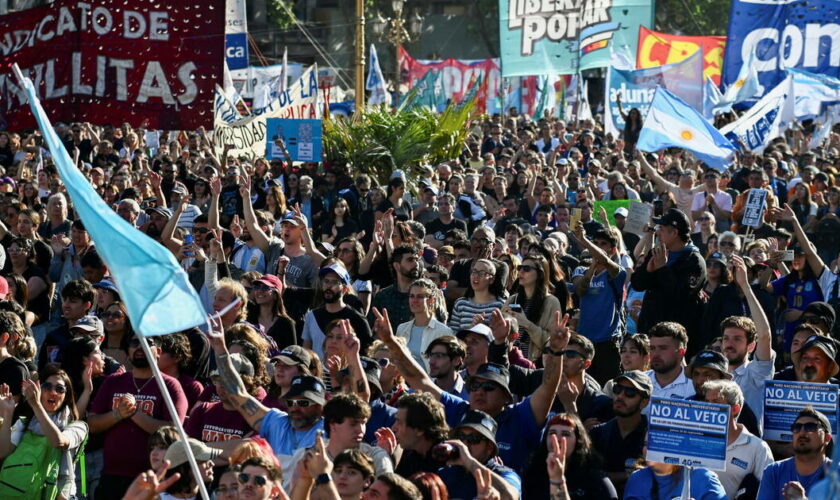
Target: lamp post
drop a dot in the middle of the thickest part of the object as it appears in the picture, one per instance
(393, 30)
(360, 57)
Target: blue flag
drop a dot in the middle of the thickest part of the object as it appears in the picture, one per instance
(671, 123)
(375, 81)
(159, 297)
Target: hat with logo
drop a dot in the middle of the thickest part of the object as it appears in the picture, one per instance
(107, 284)
(241, 365)
(480, 329)
(176, 454)
(639, 379)
(716, 257)
(495, 373)
(480, 422)
(338, 269)
(826, 344)
(710, 359)
(674, 218)
(308, 387)
(289, 218)
(294, 355)
(90, 324)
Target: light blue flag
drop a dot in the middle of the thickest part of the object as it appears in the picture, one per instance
(766, 120)
(746, 87)
(159, 297)
(375, 81)
(672, 123)
(812, 91)
(711, 98)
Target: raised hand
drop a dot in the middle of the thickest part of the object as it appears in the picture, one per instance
(556, 461)
(317, 460)
(87, 377)
(382, 326)
(351, 341)
(245, 186)
(386, 440)
(333, 364)
(659, 259)
(740, 271)
(477, 319)
(559, 338)
(216, 186)
(155, 179)
(499, 326)
(150, 484)
(236, 227)
(31, 391)
(7, 401)
(282, 262)
(484, 485)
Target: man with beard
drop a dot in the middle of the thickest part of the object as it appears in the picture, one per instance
(335, 284)
(445, 356)
(481, 247)
(156, 221)
(816, 361)
(668, 341)
(405, 264)
(301, 270)
(128, 408)
(742, 336)
(794, 477)
(436, 229)
(621, 440)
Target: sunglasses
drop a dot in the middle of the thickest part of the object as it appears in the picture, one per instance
(300, 403)
(484, 386)
(115, 315)
(571, 353)
(246, 478)
(57, 388)
(383, 362)
(136, 343)
(260, 287)
(469, 438)
(630, 392)
(524, 268)
(806, 427)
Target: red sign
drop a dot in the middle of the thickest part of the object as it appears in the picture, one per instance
(145, 62)
(658, 49)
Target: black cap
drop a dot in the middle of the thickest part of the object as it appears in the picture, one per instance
(824, 311)
(824, 422)
(372, 372)
(639, 379)
(826, 344)
(674, 218)
(710, 359)
(495, 373)
(309, 387)
(294, 355)
(480, 422)
(717, 257)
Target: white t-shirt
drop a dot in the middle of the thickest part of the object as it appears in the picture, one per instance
(747, 455)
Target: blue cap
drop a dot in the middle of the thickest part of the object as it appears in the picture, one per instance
(107, 285)
(337, 269)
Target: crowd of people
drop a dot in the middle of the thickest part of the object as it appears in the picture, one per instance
(481, 328)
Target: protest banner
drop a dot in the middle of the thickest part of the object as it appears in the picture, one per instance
(755, 206)
(236, 34)
(609, 206)
(765, 120)
(637, 87)
(303, 139)
(658, 49)
(638, 217)
(783, 400)
(801, 34)
(154, 64)
(688, 433)
(247, 136)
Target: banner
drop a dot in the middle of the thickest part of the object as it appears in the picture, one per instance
(812, 91)
(689, 433)
(637, 87)
(766, 120)
(236, 34)
(539, 38)
(248, 135)
(657, 49)
(154, 66)
(251, 78)
(801, 34)
(610, 207)
(783, 400)
(303, 139)
(755, 206)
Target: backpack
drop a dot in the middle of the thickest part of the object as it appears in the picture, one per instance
(31, 471)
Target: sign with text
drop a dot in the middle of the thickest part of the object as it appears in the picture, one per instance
(783, 400)
(236, 34)
(302, 138)
(755, 206)
(152, 64)
(638, 217)
(689, 433)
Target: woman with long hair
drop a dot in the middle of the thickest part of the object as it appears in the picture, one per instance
(335, 358)
(340, 224)
(533, 306)
(86, 366)
(802, 205)
(634, 352)
(658, 481)
(396, 191)
(55, 417)
(29, 193)
(293, 186)
(422, 328)
(717, 273)
(351, 253)
(483, 295)
(201, 195)
(268, 311)
(19, 292)
(275, 202)
(705, 226)
(582, 473)
(118, 332)
(556, 276)
(22, 256)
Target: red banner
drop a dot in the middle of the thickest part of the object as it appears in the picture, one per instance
(657, 49)
(146, 62)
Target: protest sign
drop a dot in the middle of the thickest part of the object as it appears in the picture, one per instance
(151, 64)
(765, 120)
(302, 138)
(688, 433)
(783, 400)
(247, 136)
(755, 206)
(236, 34)
(638, 218)
(609, 206)
(785, 34)
(658, 49)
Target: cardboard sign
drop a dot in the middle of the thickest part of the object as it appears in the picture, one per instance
(783, 400)
(302, 137)
(638, 218)
(688, 433)
(755, 206)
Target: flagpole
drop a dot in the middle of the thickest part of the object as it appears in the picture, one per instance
(173, 414)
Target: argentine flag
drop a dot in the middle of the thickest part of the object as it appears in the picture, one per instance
(812, 91)
(375, 81)
(671, 123)
(766, 120)
(744, 88)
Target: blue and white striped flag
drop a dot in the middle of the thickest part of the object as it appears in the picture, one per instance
(746, 87)
(766, 120)
(375, 81)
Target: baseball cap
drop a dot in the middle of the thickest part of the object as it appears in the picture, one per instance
(309, 387)
(639, 379)
(176, 454)
(674, 218)
(179, 188)
(89, 324)
(240, 364)
(372, 372)
(717, 257)
(824, 422)
(826, 344)
(495, 373)
(107, 284)
(710, 359)
(823, 310)
(562, 161)
(270, 281)
(446, 250)
(294, 355)
(337, 269)
(621, 211)
(289, 218)
(480, 422)
(160, 210)
(480, 329)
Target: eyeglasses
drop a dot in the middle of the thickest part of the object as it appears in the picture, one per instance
(57, 388)
(805, 427)
(383, 362)
(114, 315)
(727, 243)
(482, 274)
(436, 355)
(571, 353)
(524, 268)
(246, 478)
(484, 386)
(300, 403)
(630, 392)
(260, 287)
(331, 283)
(469, 438)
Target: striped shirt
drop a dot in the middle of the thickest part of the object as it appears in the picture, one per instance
(464, 310)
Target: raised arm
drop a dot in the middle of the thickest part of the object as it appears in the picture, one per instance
(654, 175)
(414, 374)
(257, 234)
(376, 245)
(213, 214)
(543, 397)
(763, 347)
(308, 243)
(598, 255)
(814, 261)
(352, 345)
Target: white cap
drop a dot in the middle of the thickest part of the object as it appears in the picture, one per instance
(621, 211)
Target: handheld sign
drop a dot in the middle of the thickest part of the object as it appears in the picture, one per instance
(783, 400)
(688, 433)
(302, 138)
(638, 218)
(756, 203)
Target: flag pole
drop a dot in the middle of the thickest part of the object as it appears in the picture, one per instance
(173, 414)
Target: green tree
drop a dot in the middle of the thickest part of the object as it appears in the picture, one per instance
(692, 17)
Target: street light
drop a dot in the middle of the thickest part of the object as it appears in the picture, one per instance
(393, 30)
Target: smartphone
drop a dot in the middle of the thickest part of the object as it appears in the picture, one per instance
(788, 256)
(658, 208)
(515, 307)
(188, 240)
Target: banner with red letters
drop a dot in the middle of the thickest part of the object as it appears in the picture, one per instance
(146, 62)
